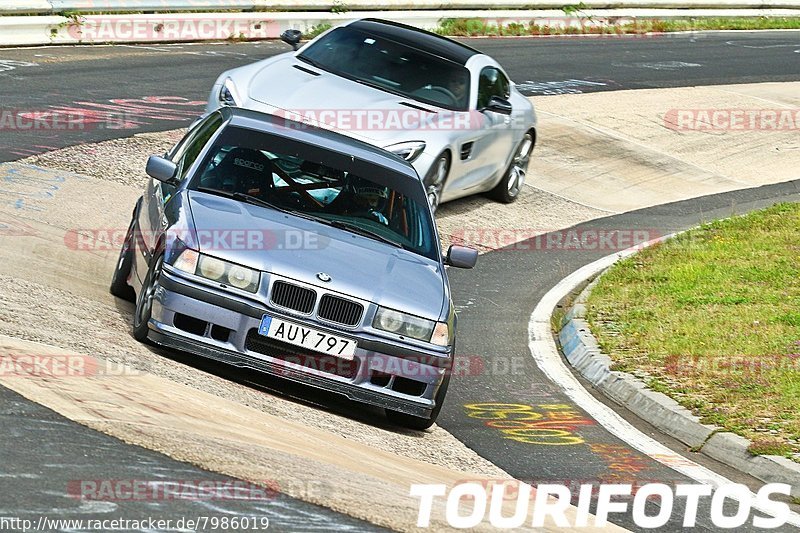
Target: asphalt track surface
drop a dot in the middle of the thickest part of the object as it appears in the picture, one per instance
(495, 300)
(47, 460)
(154, 87)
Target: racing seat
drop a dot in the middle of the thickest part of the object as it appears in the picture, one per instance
(245, 170)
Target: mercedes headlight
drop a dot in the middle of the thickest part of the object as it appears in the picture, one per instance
(411, 326)
(228, 95)
(407, 150)
(205, 266)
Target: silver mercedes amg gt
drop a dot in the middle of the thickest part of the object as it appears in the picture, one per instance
(446, 108)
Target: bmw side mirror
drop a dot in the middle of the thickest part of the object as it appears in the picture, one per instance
(499, 105)
(461, 257)
(292, 38)
(162, 169)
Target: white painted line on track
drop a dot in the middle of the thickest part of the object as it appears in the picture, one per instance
(142, 47)
(545, 352)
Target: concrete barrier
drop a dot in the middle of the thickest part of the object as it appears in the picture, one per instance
(15, 7)
(187, 27)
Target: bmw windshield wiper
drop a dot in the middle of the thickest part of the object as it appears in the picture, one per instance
(341, 224)
(244, 197)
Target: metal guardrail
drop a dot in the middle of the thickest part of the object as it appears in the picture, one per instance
(50, 7)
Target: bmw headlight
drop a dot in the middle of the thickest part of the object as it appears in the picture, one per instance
(228, 95)
(205, 266)
(242, 278)
(407, 150)
(411, 326)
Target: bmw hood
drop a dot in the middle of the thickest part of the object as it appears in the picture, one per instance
(292, 247)
(330, 101)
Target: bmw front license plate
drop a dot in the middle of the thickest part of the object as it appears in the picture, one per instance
(306, 337)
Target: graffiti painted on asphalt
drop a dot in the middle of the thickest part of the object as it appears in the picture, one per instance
(132, 113)
(550, 424)
(25, 187)
(624, 464)
(10, 64)
(659, 65)
(530, 88)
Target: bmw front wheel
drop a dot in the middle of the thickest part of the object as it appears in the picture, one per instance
(144, 303)
(119, 281)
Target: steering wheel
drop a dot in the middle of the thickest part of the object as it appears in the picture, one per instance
(445, 91)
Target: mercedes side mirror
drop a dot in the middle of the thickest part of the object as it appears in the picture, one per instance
(499, 105)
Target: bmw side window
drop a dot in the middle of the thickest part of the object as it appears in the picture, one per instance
(195, 145)
(492, 82)
(173, 153)
(187, 152)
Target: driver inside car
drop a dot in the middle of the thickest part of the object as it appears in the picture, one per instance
(369, 200)
(458, 86)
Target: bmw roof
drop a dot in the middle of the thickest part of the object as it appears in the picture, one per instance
(416, 38)
(309, 134)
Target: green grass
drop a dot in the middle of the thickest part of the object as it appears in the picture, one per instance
(586, 25)
(712, 318)
(316, 30)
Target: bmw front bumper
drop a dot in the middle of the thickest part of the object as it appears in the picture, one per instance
(217, 325)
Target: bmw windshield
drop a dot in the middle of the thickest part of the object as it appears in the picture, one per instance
(391, 66)
(330, 188)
